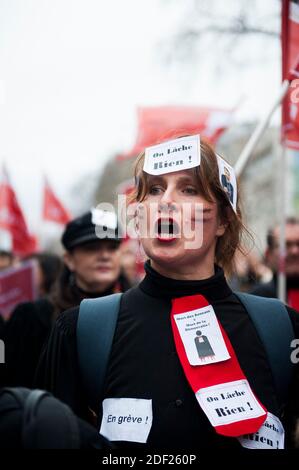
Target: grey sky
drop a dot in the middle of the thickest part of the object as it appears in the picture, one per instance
(72, 73)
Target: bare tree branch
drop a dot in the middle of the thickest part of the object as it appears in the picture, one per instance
(203, 19)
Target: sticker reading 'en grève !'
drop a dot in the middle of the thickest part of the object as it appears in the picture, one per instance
(127, 419)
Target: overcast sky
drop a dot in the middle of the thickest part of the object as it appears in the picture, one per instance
(72, 73)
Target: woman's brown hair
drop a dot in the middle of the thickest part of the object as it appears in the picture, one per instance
(207, 178)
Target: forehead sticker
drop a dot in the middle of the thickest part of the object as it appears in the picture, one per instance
(228, 181)
(173, 155)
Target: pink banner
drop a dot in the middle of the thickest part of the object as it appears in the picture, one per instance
(16, 285)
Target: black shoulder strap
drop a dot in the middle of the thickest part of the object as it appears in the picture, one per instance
(95, 331)
(272, 322)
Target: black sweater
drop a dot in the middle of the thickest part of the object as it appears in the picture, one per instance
(144, 363)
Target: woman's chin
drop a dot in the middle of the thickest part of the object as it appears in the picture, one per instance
(163, 252)
(166, 256)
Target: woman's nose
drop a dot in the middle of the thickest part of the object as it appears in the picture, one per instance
(168, 201)
(168, 195)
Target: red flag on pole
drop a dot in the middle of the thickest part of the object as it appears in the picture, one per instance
(53, 209)
(13, 221)
(157, 123)
(290, 71)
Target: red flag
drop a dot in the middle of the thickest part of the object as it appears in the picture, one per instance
(290, 65)
(53, 209)
(158, 123)
(12, 220)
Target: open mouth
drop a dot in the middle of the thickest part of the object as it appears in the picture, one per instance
(167, 229)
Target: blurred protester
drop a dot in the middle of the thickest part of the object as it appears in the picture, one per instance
(269, 289)
(92, 266)
(49, 267)
(248, 270)
(6, 259)
(91, 269)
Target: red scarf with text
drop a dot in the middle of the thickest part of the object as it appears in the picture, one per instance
(208, 375)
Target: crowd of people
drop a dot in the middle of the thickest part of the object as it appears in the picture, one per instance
(151, 373)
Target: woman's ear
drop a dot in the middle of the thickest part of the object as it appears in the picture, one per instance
(68, 260)
(221, 229)
(223, 221)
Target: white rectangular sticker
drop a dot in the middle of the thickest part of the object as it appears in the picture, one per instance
(126, 419)
(269, 436)
(201, 336)
(229, 402)
(228, 181)
(174, 155)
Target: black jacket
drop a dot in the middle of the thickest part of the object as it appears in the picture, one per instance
(144, 363)
(25, 334)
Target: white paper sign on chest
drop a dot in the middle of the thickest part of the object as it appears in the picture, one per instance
(174, 155)
(127, 419)
(269, 436)
(229, 402)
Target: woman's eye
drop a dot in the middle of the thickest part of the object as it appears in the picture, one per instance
(155, 190)
(190, 190)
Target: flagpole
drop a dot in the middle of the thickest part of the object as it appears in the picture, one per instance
(281, 286)
(239, 167)
(259, 130)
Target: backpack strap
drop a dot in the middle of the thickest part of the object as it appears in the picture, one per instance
(95, 331)
(274, 327)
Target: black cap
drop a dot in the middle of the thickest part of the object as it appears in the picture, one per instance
(94, 225)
